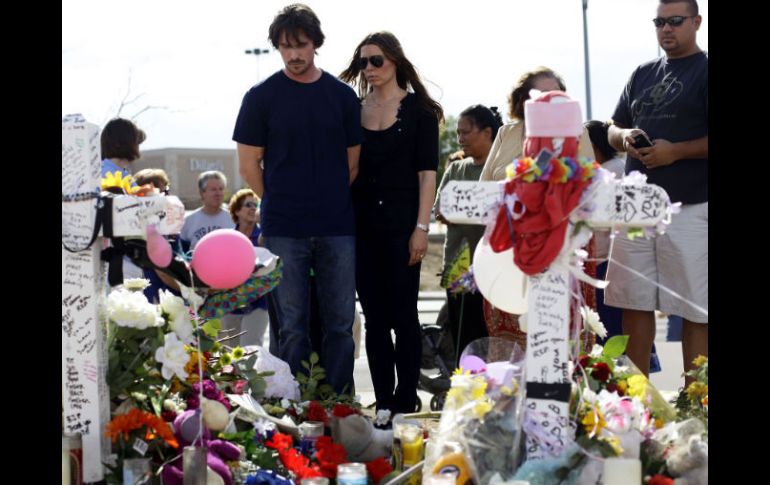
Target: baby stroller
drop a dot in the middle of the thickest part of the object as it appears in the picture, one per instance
(438, 359)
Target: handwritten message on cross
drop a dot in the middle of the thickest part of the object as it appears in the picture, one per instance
(608, 204)
(85, 395)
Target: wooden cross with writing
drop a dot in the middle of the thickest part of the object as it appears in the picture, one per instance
(614, 205)
(85, 395)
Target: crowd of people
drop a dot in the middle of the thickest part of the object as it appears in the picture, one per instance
(341, 185)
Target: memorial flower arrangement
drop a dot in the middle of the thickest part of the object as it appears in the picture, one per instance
(161, 360)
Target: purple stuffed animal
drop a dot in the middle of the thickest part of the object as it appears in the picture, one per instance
(219, 451)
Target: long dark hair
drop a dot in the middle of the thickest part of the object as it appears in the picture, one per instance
(406, 74)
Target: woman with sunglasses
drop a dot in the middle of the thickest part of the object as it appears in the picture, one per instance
(244, 210)
(392, 199)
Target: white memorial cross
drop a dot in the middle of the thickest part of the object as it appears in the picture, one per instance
(85, 396)
(613, 204)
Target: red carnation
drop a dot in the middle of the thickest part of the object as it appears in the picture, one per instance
(660, 480)
(342, 410)
(280, 441)
(378, 469)
(329, 455)
(316, 412)
(600, 372)
(583, 361)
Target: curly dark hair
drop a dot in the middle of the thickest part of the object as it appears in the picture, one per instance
(406, 73)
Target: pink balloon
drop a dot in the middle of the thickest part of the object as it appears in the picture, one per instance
(158, 249)
(223, 259)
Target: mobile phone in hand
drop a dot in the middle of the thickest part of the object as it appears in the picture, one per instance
(642, 141)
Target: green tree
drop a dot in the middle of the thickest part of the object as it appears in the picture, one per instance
(447, 136)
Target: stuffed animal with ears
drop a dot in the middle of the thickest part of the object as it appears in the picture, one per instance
(186, 428)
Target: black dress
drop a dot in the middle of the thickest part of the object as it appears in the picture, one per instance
(386, 202)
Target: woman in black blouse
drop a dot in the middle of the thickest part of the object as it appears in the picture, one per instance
(392, 198)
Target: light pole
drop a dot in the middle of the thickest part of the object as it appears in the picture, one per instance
(257, 52)
(587, 63)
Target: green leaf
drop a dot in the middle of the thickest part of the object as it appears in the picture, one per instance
(301, 378)
(212, 327)
(206, 344)
(305, 364)
(615, 346)
(313, 358)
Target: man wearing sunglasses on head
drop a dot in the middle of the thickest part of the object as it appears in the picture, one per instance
(661, 122)
(299, 135)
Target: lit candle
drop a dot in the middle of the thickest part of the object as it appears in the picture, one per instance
(352, 474)
(622, 471)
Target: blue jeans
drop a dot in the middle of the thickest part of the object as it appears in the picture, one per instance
(333, 260)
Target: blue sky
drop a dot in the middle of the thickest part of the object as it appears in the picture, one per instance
(187, 56)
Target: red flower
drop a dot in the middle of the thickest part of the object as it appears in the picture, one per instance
(600, 372)
(660, 480)
(316, 412)
(612, 387)
(329, 455)
(299, 464)
(378, 469)
(280, 441)
(323, 442)
(342, 410)
(583, 361)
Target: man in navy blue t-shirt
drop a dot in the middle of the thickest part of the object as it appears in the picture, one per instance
(661, 121)
(299, 136)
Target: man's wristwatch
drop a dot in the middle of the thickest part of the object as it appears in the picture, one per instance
(424, 227)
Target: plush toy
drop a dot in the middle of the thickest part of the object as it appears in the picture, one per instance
(362, 441)
(186, 427)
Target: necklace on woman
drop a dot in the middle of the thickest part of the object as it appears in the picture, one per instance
(370, 101)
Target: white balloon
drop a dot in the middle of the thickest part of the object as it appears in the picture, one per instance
(499, 279)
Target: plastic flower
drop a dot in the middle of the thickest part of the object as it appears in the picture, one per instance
(173, 357)
(700, 360)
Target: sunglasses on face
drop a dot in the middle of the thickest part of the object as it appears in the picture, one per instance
(250, 205)
(674, 21)
(377, 61)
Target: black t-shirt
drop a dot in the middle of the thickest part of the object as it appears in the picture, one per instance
(305, 129)
(386, 193)
(668, 99)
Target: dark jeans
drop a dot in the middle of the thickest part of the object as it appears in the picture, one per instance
(388, 289)
(470, 325)
(333, 259)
